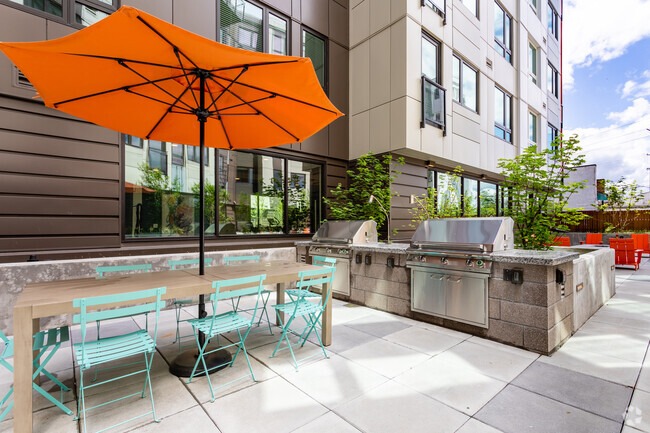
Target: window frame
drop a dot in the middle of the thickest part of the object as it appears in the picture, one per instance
(432, 183)
(533, 72)
(504, 128)
(198, 158)
(325, 40)
(432, 4)
(460, 83)
(555, 131)
(553, 25)
(434, 81)
(553, 78)
(533, 121)
(506, 45)
(476, 6)
(67, 10)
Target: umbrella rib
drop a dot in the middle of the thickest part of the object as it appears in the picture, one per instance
(225, 132)
(260, 112)
(155, 84)
(221, 111)
(166, 40)
(125, 60)
(117, 89)
(168, 111)
(186, 110)
(254, 64)
(178, 57)
(214, 102)
(278, 94)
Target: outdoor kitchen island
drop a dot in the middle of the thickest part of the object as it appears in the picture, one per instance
(535, 311)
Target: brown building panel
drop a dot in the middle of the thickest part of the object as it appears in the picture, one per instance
(15, 246)
(47, 225)
(38, 205)
(412, 180)
(47, 185)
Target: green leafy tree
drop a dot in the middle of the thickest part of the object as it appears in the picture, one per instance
(623, 198)
(372, 175)
(168, 192)
(539, 189)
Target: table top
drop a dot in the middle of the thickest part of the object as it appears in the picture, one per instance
(55, 297)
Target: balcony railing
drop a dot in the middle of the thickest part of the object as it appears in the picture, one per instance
(439, 7)
(433, 105)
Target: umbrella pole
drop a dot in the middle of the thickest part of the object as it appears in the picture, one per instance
(184, 363)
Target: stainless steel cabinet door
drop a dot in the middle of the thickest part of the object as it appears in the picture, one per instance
(341, 283)
(428, 292)
(466, 298)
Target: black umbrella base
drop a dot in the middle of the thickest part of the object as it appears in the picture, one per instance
(184, 362)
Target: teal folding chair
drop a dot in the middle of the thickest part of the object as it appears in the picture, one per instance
(265, 293)
(301, 307)
(226, 322)
(43, 341)
(180, 303)
(90, 354)
(318, 261)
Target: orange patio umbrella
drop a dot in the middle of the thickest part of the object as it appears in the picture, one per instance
(139, 75)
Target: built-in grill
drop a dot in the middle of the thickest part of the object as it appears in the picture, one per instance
(450, 261)
(336, 239)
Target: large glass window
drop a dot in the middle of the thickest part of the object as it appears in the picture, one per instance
(532, 62)
(470, 197)
(553, 21)
(464, 83)
(304, 209)
(551, 135)
(532, 129)
(552, 80)
(78, 13)
(502, 32)
(194, 154)
(314, 47)
(430, 57)
(433, 95)
(448, 194)
(472, 5)
(488, 199)
(277, 35)
(502, 115)
(244, 24)
(54, 7)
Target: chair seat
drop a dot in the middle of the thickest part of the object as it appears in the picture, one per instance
(305, 293)
(113, 348)
(222, 323)
(304, 308)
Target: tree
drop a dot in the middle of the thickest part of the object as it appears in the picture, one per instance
(372, 175)
(621, 197)
(539, 189)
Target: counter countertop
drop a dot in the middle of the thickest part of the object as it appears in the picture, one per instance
(530, 257)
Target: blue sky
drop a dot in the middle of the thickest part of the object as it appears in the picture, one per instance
(606, 71)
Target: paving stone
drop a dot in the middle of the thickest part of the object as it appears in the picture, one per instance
(424, 340)
(190, 420)
(476, 426)
(384, 357)
(491, 361)
(328, 423)
(592, 394)
(377, 325)
(515, 410)
(638, 414)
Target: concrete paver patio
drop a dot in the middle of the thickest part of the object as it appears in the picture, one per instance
(388, 373)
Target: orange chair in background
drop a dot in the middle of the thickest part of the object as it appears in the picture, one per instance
(625, 254)
(562, 241)
(642, 242)
(593, 239)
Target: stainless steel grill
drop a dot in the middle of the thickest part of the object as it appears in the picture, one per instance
(336, 239)
(450, 261)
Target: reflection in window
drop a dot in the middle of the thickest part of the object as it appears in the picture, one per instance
(532, 129)
(314, 48)
(502, 115)
(502, 39)
(277, 35)
(241, 25)
(472, 6)
(304, 197)
(86, 15)
(54, 7)
(194, 154)
(464, 83)
(532, 62)
(161, 194)
(430, 53)
(553, 21)
(448, 195)
(470, 197)
(488, 198)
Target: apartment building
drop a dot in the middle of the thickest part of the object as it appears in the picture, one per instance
(444, 83)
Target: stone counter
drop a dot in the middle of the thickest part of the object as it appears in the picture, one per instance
(528, 257)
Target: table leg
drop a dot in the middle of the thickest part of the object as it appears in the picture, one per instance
(279, 300)
(24, 328)
(326, 318)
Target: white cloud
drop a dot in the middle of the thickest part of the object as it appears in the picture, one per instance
(633, 88)
(599, 30)
(620, 149)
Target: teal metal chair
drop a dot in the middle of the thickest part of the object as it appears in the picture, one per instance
(90, 354)
(265, 293)
(301, 307)
(318, 261)
(226, 322)
(180, 303)
(43, 341)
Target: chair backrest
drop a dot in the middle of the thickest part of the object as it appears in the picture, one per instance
(316, 277)
(642, 241)
(624, 253)
(101, 270)
(562, 241)
(323, 261)
(232, 260)
(242, 287)
(173, 263)
(95, 303)
(8, 349)
(594, 238)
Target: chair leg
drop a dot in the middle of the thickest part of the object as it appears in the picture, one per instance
(265, 313)
(148, 362)
(285, 330)
(9, 406)
(243, 347)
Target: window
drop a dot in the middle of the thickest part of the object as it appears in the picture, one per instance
(79, 13)
(472, 5)
(243, 24)
(314, 47)
(303, 209)
(502, 32)
(532, 129)
(488, 199)
(448, 196)
(552, 80)
(433, 94)
(533, 5)
(532, 62)
(194, 154)
(470, 197)
(158, 156)
(130, 140)
(553, 21)
(178, 154)
(502, 115)
(464, 83)
(551, 135)
(438, 6)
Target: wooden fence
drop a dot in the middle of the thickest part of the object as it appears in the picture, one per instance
(597, 221)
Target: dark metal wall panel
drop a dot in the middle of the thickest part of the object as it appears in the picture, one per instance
(42, 145)
(159, 8)
(12, 183)
(315, 14)
(198, 16)
(412, 180)
(339, 28)
(35, 164)
(283, 6)
(47, 226)
(36, 205)
(49, 243)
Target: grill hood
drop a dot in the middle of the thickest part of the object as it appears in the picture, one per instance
(483, 235)
(347, 232)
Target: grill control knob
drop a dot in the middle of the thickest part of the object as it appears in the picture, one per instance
(469, 262)
(423, 259)
(444, 260)
(328, 250)
(342, 251)
(479, 263)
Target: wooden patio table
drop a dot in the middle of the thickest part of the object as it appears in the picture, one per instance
(55, 298)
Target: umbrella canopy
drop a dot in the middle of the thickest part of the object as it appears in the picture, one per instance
(140, 75)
